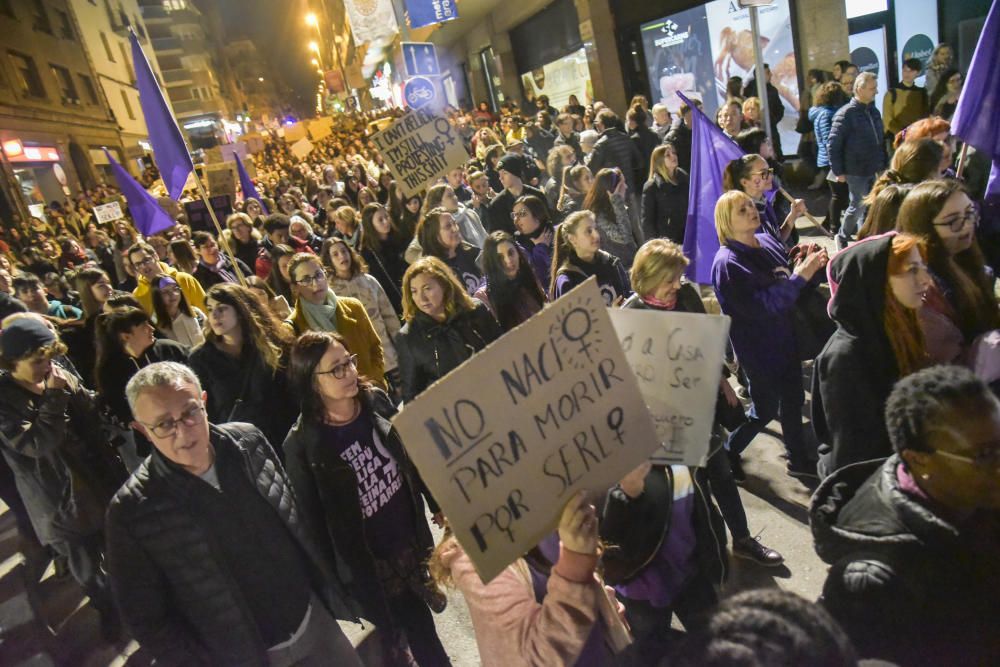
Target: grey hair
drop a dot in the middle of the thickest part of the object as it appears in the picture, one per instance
(862, 79)
(160, 374)
(659, 106)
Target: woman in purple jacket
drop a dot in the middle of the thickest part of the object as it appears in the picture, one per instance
(758, 289)
(535, 234)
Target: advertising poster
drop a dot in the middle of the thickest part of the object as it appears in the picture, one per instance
(868, 53)
(917, 32)
(679, 59)
(570, 75)
(507, 438)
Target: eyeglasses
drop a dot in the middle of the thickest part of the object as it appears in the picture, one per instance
(167, 427)
(314, 279)
(763, 173)
(519, 214)
(144, 261)
(957, 223)
(339, 371)
(171, 291)
(986, 458)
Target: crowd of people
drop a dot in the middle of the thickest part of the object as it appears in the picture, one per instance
(198, 428)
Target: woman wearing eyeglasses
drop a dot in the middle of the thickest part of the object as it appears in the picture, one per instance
(243, 362)
(535, 234)
(961, 306)
(362, 498)
(318, 308)
(444, 325)
(751, 174)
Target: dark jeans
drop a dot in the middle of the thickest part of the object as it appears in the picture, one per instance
(839, 198)
(776, 393)
(323, 643)
(412, 616)
(726, 493)
(85, 556)
(651, 625)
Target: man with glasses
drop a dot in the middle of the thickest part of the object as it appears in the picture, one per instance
(208, 558)
(913, 540)
(147, 267)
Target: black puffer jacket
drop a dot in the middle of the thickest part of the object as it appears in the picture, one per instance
(908, 585)
(429, 350)
(168, 576)
(856, 370)
(327, 489)
(636, 527)
(614, 148)
(664, 207)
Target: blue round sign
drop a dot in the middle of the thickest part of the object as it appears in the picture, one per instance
(419, 92)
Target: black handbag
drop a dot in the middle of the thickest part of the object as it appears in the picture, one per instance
(812, 324)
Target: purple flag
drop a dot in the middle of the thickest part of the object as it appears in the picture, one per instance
(146, 214)
(249, 190)
(711, 151)
(975, 119)
(169, 150)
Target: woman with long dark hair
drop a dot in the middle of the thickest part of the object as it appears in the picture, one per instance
(511, 291)
(95, 288)
(242, 363)
(606, 200)
(535, 234)
(439, 236)
(382, 247)
(277, 277)
(362, 497)
(578, 256)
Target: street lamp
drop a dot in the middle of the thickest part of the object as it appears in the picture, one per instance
(311, 20)
(261, 79)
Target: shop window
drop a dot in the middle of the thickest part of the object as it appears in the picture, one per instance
(107, 47)
(40, 18)
(66, 86)
(27, 75)
(88, 88)
(65, 25)
(128, 105)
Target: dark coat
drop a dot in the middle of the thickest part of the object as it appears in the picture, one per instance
(327, 490)
(429, 350)
(856, 370)
(388, 267)
(908, 585)
(680, 136)
(245, 390)
(614, 149)
(116, 371)
(209, 278)
(645, 140)
(664, 207)
(573, 141)
(245, 252)
(636, 527)
(856, 143)
(168, 575)
(498, 212)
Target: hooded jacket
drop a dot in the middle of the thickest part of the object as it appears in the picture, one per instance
(612, 277)
(907, 585)
(192, 289)
(854, 373)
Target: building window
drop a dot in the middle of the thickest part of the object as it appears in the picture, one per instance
(27, 75)
(65, 26)
(66, 86)
(128, 105)
(107, 47)
(139, 29)
(127, 61)
(88, 88)
(40, 18)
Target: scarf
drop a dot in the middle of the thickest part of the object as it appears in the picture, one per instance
(322, 317)
(221, 268)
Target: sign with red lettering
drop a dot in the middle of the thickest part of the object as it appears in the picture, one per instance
(506, 439)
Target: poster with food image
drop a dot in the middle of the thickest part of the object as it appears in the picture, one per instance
(733, 55)
(679, 59)
(569, 75)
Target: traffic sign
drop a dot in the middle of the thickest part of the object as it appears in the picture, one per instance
(419, 92)
(420, 59)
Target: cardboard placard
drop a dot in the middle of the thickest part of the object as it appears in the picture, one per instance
(420, 148)
(301, 148)
(254, 142)
(229, 150)
(221, 178)
(506, 439)
(321, 128)
(108, 212)
(294, 132)
(199, 218)
(677, 360)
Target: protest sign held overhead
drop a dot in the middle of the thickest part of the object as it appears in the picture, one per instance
(419, 149)
(301, 148)
(506, 439)
(677, 360)
(221, 179)
(108, 212)
(295, 132)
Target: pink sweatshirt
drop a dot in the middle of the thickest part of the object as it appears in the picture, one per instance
(513, 630)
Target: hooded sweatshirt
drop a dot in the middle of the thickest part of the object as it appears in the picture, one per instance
(854, 373)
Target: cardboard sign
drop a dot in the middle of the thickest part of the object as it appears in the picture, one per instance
(295, 132)
(200, 219)
(221, 178)
(108, 212)
(254, 142)
(301, 148)
(677, 360)
(420, 148)
(506, 439)
(229, 150)
(321, 128)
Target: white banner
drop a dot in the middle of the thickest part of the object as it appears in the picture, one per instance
(371, 19)
(108, 212)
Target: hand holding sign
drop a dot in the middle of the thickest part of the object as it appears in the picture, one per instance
(507, 438)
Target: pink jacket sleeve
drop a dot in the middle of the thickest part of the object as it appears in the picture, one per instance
(513, 629)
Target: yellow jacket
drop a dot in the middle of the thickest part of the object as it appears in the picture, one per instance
(190, 287)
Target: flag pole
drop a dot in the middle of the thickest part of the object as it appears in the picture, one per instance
(961, 160)
(808, 216)
(222, 237)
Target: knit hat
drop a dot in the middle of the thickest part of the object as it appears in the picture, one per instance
(23, 336)
(513, 163)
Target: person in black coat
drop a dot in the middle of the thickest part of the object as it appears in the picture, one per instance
(444, 326)
(775, 107)
(243, 238)
(913, 540)
(640, 134)
(209, 559)
(511, 172)
(382, 248)
(665, 196)
(214, 267)
(680, 136)
(363, 498)
(614, 149)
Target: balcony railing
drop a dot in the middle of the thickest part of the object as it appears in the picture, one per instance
(195, 106)
(164, 44)
(177, 76)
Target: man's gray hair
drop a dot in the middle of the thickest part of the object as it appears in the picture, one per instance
(160, 374)
(862, 79)
(658, 107)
